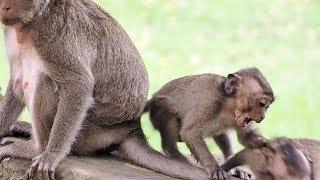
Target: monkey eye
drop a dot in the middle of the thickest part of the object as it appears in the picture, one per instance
(261, 104)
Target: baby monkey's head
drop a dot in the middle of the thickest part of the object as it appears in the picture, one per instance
(283, 162)
(253, 95)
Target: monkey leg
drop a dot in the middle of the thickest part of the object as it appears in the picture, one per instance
(135, 148)
(250, 137)
(169, 138)
(20, 128)
(95, 138)
(224, 142)
(19, 149)
(167, 124)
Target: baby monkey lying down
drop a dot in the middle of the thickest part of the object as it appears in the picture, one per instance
(192, 108)
(288, 159)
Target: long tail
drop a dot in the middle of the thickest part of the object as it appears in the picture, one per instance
(136, 150)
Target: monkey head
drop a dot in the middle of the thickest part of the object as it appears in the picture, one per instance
(13, 12)
(284, 162)
(253, 95)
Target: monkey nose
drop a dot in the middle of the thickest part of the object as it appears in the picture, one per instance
(6, 8)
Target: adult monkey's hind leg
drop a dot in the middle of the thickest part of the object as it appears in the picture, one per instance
(21, 128)
(136, 149)
(19, 149)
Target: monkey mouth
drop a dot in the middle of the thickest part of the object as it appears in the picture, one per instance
(10, 21)
(246, 121)
(243, 120)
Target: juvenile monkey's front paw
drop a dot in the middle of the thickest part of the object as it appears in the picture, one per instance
(44, 166)
(218, 173)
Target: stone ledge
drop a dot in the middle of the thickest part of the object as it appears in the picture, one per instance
(84, 168)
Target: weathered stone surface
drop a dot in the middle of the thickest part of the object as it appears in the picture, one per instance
(84, 168)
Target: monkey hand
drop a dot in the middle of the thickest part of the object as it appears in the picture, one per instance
(257, 142)
(44, 166)
(239, 173)
(218, 173)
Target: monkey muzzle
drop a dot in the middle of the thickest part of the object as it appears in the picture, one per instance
(243, 120)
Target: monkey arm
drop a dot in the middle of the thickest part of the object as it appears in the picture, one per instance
(250, 137)
(238, 159)
(191, 134)
(199, 149)
(75, 98)
(10, 109)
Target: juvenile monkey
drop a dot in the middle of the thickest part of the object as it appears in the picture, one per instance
(82, 79)
(288, 159)
(192, 108)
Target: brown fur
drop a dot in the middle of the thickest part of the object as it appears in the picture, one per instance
(78, 73)
(288, 159)
(192, 108)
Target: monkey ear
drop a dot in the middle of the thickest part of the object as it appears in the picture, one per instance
(232, 83)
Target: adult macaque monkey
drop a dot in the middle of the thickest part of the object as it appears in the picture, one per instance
(288, 159)
(82, 79)
(194, 107)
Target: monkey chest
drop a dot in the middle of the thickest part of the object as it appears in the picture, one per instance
(26, 66)
(219, 124)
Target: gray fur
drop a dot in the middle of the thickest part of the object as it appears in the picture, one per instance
(91, 94)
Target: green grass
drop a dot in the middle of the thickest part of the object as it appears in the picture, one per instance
(181, 37)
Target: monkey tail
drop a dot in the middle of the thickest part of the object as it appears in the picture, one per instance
(136, 149)
(147, 107)
(153, 101)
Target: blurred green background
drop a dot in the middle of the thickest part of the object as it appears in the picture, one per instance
(183, 37)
